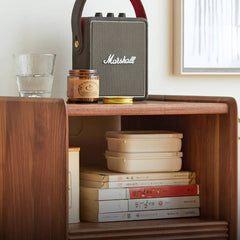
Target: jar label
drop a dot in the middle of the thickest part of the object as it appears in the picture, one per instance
(83, 88)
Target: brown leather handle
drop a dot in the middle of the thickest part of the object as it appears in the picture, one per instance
(77, 15)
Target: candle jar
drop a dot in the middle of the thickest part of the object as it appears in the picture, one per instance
(83, 86)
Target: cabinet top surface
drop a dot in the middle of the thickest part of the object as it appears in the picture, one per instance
(148, 107)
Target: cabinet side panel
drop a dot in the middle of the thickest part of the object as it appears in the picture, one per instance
(2, 163)
(229, 169)
(34, 174)
(201, 154)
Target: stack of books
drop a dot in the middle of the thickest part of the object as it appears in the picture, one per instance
(150, 184)
(108, 196)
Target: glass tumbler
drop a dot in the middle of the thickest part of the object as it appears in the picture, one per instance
(34, 74)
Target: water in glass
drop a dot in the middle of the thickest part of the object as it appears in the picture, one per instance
(35, 85)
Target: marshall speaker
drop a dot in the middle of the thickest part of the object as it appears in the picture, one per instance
(116, 46)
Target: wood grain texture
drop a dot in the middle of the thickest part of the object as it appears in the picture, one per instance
(209, 125)
(224, 165)
(151, 224)
(173, 235)
(228, 168)
(146, 108)
(209, 148)
(33, 164)
(193, 228)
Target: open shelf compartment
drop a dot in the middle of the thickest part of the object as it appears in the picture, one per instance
(209, 127)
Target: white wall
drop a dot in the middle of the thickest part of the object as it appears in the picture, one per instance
(45, 26)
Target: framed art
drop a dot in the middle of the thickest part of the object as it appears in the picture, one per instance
(206, 37)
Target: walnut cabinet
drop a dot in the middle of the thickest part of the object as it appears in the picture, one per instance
(34, 138)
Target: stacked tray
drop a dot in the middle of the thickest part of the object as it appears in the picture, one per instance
(144, 151)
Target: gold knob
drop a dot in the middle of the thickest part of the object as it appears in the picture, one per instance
(76, 44)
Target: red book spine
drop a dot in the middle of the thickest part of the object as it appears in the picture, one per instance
(163, 191)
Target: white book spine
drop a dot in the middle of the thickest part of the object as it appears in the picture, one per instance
(111, 194)
(146, 204)
(164, 203)
(146, 215)
(113, 206)
(73, 191)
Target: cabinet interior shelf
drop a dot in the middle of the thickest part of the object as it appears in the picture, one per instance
(170, 228)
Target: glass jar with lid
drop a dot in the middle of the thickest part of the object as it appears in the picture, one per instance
(83, 86)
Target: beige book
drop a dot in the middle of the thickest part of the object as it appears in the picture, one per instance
(73, 189)
(149, 183)
(104, 194)
(139, 215)
(110, 206)
(99, 175)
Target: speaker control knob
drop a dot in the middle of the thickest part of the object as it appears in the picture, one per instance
(98, 14)
(110, 15)
(123, 15)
